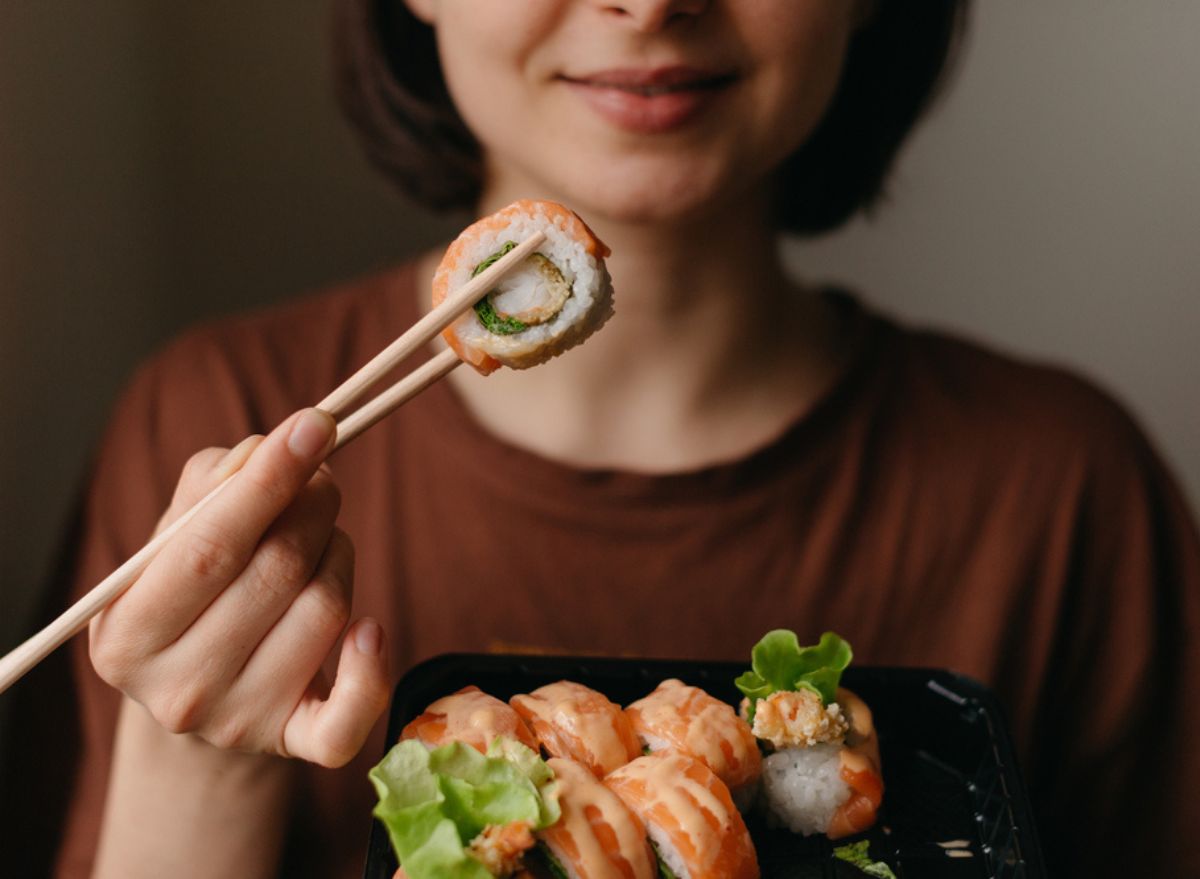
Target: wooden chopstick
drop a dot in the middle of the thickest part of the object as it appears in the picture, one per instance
(427, 327)
(26, 655)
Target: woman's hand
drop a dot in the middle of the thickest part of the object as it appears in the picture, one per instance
(225, 633)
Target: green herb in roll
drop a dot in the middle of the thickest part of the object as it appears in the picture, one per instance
(533, 295)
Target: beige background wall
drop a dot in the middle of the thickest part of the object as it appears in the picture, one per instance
(164, 161)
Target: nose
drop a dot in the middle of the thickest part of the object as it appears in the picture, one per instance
(653, 15)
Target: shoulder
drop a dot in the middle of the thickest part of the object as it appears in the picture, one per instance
(220, 380)
(984, 436)
(973, 397)
(254, 368)
(276, 359)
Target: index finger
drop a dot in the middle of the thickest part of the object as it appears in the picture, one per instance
(203, 472)
(213, 548)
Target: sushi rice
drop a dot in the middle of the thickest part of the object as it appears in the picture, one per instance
(570, 247)
(804, 787)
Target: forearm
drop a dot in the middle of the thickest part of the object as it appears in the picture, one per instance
(180, 807)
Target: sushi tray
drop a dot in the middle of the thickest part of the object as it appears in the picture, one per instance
(955, 806)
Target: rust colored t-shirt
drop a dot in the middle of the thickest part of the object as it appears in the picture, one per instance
(941, 506)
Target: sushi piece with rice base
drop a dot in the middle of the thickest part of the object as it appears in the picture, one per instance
(689, 815)
(687, 719)
(598, 836)
(822, 774)
(455, 811)
(574, 721)
(557, 297)
(469, 716)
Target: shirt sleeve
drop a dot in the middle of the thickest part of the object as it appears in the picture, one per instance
(1115, 765)
(185, 399)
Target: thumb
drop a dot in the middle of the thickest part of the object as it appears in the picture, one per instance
(332, 731)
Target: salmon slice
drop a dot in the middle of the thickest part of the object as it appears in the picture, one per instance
(574, 721)
(689, 814)
(598, 836)
(689, 720)
(861, 774)
(469, 716)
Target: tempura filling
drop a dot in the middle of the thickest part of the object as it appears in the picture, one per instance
(798, 719)
(533, 295)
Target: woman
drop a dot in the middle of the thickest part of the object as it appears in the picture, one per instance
(736, 451)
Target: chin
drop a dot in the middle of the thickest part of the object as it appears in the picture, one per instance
(619, 183)
(638, 198)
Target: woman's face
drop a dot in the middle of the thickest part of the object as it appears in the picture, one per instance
(640, 111)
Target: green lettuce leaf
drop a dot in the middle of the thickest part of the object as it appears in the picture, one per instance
(856, 854)
(533, 767)
(433, 803)
(779, 663)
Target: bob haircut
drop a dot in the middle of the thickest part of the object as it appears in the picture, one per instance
(390, 87)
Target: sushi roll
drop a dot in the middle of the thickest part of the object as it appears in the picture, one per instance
(560, 295)
(823, 772)
(687, 719)
(571, 720)
(598, 836)
(696, 831)
(469, 716)
(833, 788)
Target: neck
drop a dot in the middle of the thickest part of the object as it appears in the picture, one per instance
(711, 353)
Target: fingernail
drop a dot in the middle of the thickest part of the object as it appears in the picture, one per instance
(310, 434)
(369, 638)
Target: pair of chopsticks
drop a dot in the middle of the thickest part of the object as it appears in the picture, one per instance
(349, 425)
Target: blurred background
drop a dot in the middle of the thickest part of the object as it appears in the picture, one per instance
(162, 163)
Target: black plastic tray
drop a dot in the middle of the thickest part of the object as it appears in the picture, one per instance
(951, 778)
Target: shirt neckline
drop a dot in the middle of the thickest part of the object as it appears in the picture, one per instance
(867, 334)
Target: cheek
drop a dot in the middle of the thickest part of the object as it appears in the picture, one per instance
(803, 53)
(470, 60)
(486, 52)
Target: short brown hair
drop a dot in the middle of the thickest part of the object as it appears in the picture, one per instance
(390, 87)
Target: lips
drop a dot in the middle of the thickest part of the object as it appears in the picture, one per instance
(650, 100)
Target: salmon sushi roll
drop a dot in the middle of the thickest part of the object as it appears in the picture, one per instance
(823, 776)
(598, 836)
(469, 716)
(691, 820)
(574, 721)
(822, 773)
(687, 719)
(559, 296)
